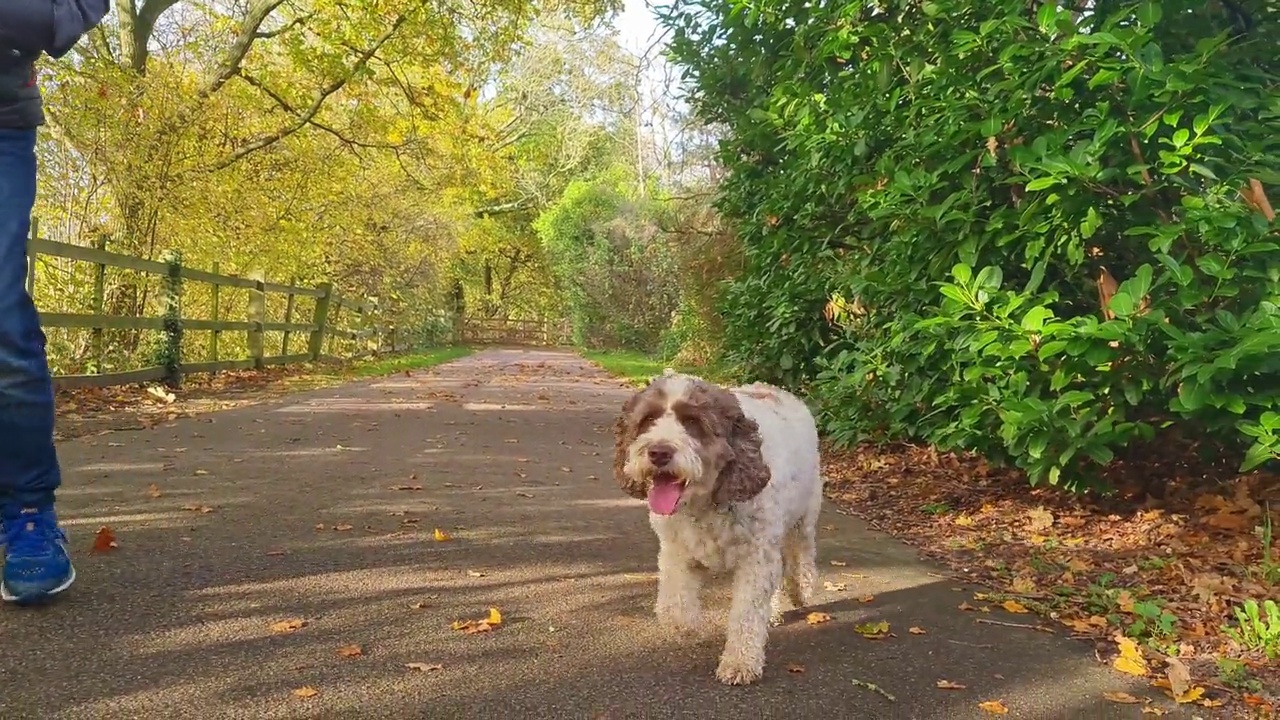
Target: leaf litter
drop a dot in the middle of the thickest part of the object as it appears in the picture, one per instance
(1097, 565)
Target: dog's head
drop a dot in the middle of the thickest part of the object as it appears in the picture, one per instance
(685, 441)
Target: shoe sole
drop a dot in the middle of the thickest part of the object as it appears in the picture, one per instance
(34, 598)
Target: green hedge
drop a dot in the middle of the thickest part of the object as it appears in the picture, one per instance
(976, 174)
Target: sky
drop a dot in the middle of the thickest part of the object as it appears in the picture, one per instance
(637, 26)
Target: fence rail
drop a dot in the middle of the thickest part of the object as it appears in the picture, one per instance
(507, 331)
(362, 327)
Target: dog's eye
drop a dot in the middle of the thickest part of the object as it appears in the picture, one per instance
(694, 425)
(648, 419)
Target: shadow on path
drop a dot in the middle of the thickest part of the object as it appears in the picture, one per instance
(322, 507)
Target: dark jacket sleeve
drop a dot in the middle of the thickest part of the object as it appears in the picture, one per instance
(47, 26)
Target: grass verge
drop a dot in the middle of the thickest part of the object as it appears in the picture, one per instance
(637, 368)
(88, 411)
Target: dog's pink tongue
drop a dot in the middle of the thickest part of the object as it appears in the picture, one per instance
(664, 495)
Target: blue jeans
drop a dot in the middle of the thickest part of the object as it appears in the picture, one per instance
(29, 472)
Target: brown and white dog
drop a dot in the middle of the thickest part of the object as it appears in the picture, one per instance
(733, 481)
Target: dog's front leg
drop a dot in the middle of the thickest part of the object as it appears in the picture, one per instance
(679, 585)
(754, 583)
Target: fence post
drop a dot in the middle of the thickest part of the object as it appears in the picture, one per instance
(288, 318)
(257, 316)
(99, 303)
(171, 300)
(213, 341)
(335, 310)
(320, 316)
(31, 258)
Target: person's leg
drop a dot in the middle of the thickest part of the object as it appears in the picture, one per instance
(36, 564)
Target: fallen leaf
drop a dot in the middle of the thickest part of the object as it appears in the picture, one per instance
(916, 630)
(306, 692)
(201, 472)
(1211, 703)
(288, 626)
(1153, 710)
(995, 707)
(795, 668)
(1014, 606)
(104, 540)
(350, 651)
(1180, 681)
(963, 521)
(966, 606)
(1024, 585)
(474, 573)
(1121, 697)
(154, 490)
(441, 536)
(817, 618)
(1130, 659)
(424, 667)
(948, 685)
(873, 631)
(866, 598)
(1039, 520)
(343, 527)
(471, 627)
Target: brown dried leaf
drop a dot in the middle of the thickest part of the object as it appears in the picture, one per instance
(288, 626)
(104, 540)
(424, 667)
(350, 651)
(306, 692)
(948, 685)
(995, 707)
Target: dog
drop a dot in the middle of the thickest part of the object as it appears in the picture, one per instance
(732, 477)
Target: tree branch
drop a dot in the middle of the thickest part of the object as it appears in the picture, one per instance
(229, 66)
(267, 34)
(308, 115)
(289, 108)
(506, 208)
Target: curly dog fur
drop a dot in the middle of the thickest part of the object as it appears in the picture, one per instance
(733, 481)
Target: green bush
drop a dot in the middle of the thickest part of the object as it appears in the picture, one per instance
(977, 174)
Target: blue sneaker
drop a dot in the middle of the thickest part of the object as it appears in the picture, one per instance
(36, 563)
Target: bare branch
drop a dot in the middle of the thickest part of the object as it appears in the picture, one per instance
(309, 114)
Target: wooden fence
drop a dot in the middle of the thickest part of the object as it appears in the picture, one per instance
(505, 331)
(322, 327)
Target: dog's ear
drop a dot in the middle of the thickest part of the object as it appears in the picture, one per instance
(744, 473)
(625, 429)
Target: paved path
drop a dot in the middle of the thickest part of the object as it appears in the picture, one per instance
(510, 451)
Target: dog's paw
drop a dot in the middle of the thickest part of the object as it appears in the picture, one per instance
(736, 672)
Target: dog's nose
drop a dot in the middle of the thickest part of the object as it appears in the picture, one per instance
(660, 455)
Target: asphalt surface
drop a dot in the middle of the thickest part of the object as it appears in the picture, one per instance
(290, 510)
